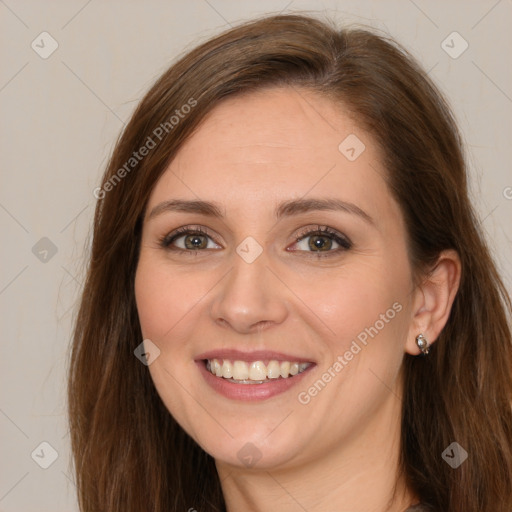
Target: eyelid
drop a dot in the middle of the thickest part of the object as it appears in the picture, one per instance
(166, 240)
(342, 240)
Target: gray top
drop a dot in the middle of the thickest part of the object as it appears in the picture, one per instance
(418, 508)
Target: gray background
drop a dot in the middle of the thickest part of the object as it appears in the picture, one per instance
(61, 116)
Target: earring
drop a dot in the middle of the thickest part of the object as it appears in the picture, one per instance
(422, 343)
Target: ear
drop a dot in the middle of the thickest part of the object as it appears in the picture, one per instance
(433, 300)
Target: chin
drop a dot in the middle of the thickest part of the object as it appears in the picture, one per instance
(255, 450)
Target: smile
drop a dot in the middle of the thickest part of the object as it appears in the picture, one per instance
(254, 372)
(252, 376)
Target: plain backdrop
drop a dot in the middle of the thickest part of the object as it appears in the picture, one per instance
(61, 114)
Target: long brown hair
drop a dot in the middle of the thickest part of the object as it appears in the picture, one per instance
(129, 453)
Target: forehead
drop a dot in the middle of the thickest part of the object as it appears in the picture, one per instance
(276, 144)
(276, 124)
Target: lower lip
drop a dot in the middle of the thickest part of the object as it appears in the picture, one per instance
(250, 392)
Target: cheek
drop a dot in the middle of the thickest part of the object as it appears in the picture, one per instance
(164, 299)
(357, 299)
(165, 305)
(153, 295)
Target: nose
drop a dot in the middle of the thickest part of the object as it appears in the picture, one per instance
(250, 298)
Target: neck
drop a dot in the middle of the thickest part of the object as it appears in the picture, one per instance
(362, 474)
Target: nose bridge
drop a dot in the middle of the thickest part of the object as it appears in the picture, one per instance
(250, 296)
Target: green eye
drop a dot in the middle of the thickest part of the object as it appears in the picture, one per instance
(186, 239)
(322, 240)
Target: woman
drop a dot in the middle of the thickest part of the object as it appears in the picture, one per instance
(289, 303)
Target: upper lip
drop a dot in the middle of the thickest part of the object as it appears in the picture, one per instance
(256, 355)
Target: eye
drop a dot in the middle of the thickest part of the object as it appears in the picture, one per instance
(188, 239)
(323, 239)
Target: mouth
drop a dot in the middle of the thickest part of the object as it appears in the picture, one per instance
(252, 376)
(255, 372)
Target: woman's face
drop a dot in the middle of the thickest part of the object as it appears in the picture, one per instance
(299, 257)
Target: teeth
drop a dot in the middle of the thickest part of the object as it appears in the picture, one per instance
(240, 370)
(227, 370)
(255, 372)
(285, 369)
(273, 370)
(303, 366)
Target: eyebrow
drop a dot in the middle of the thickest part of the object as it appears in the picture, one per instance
(285, 209)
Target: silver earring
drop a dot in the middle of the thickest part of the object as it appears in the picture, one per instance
(422, 343)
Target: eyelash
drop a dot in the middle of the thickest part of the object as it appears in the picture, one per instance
(343, 241)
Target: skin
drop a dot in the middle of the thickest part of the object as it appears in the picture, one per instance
(250, 154)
